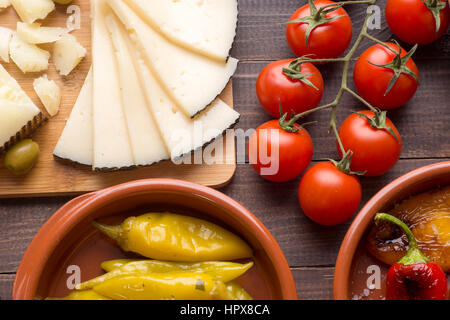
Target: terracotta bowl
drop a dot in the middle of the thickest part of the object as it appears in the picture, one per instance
(353, 266)
(68, 241)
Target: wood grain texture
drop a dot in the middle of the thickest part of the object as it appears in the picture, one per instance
(314, 283)
(6, 282)
(310, 249)
(76, 179)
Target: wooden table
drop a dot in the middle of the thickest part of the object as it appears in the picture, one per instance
(310, 249)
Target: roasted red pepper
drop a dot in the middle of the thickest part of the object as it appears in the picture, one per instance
(414, 277)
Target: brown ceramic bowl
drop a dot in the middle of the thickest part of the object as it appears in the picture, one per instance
(351, 274)
(68, 239)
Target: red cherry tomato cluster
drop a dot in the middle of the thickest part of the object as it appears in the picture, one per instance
(385, 78)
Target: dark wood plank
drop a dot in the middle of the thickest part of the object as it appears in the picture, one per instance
(6, 284)
(21, 219)
(314, 283)
(262, 32)
(422, 123)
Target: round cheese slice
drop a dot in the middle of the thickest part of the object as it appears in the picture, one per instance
(207, 27)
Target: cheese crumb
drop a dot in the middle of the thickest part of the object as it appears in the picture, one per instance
(49, 93)
(67, 54)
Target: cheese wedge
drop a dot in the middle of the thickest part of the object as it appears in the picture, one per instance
(32, 10)
(49, 93)
(112, 149)
(19, 116)
(28, 57)
(67, 54)
(191, 80)
(181, 134)
(146, 142)
(5, 40)
(75, 143)
(34, 33)
(207, 27)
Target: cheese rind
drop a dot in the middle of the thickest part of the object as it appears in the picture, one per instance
(19, 116)
(112, 149)
(191, 80)
(30, 11)
(67, 54)
(28, 57)
(146, 142)
(5, 39)
(181, 134)
(207, 27)
(49, 93)
(34, 33)
(75, 143)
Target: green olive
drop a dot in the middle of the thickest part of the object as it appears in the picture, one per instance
(62, 1)
(22, 157)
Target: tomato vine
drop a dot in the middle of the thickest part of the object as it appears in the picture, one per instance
(398, 67)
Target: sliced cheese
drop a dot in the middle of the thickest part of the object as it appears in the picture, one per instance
(67, 54)
(75, 143)
(28, 57)
(207, 27)
(191, 80)
(181, 134)
(112, 149)
(49, 93)
(34, 33)
(32, 10)
(5, 39)
(147, 145)
(19, 116)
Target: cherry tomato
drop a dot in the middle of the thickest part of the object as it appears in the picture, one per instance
(274, 87)
(372, 82)
(412, 22)
(328, 40)
(327, 195)
(374, 150)
(291, 151)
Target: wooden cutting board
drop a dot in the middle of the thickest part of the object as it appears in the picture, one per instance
(52, 176)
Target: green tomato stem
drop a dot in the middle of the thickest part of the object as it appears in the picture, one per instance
(414, 255)
(368, 36)
(357, 96)
(341, 145)
(344, 80)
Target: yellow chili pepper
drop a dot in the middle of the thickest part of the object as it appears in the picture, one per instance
(172, 237)
(223, 271)
(82, 295)
(173, 286)
(110, 265)
(234, 291)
